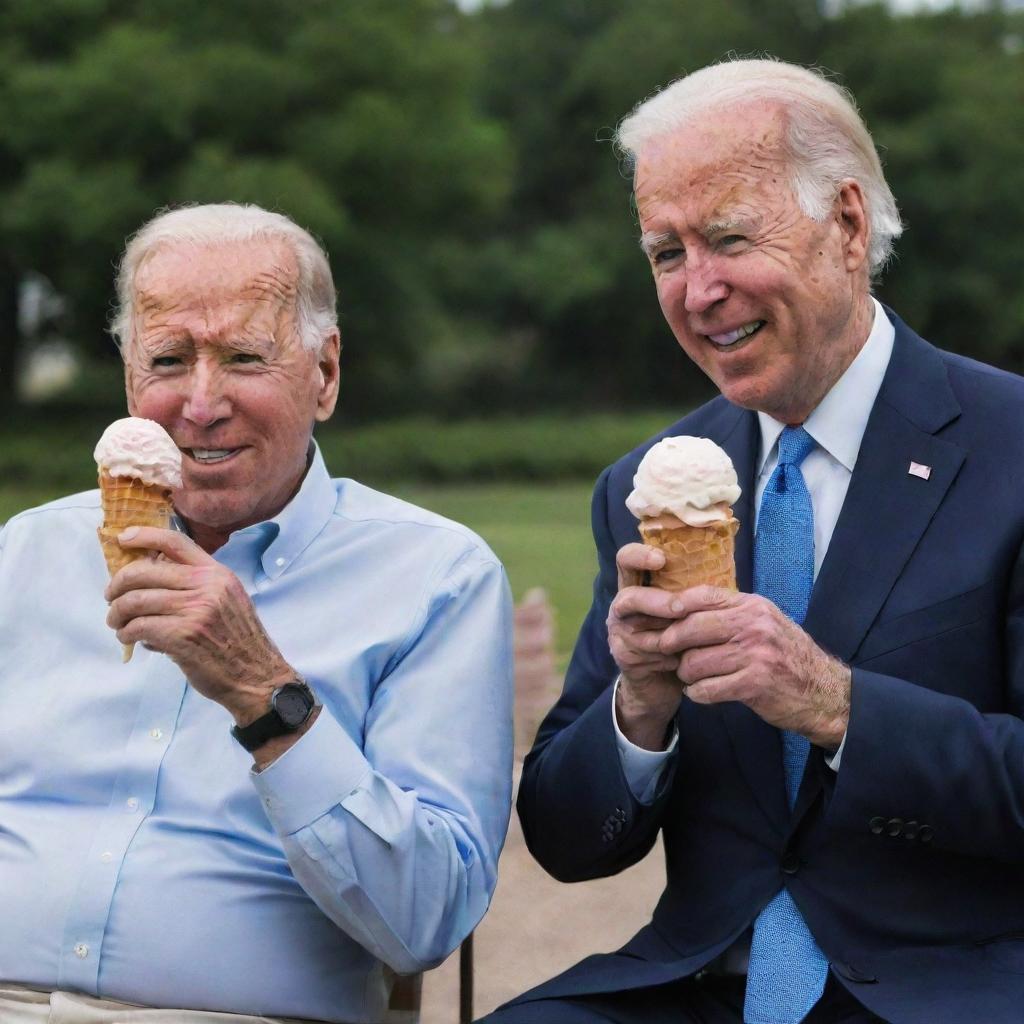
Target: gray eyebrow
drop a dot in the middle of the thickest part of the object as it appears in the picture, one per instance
(650, 240)
(718, 227)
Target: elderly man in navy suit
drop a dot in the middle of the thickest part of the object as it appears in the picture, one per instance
(835, 754)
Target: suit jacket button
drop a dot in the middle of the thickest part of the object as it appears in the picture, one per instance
(894, 826)
(790, 863)
(877, 825)
(910, 830)
(925, 833)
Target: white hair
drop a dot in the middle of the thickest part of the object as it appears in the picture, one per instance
(216, 224)
(826, 139)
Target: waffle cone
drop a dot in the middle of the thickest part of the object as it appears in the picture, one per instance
(126, 502)
(694, 555)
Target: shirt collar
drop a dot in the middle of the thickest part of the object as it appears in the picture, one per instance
(841, 417)
(276, 543)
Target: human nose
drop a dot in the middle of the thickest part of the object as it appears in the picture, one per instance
(206, 401)
(704, 285)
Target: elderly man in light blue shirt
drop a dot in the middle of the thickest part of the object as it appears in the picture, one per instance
(299, 786)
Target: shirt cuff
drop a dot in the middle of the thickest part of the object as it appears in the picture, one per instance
(833, 761)
(316, 773)
(643, 768)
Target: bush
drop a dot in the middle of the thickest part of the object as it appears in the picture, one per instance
(58, 455)
(537, 448)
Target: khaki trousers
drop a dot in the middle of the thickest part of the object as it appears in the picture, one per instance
(20, 1005)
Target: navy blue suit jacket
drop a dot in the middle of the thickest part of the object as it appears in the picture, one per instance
(908, 864)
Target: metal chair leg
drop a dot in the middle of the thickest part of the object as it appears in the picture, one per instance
(466, 981)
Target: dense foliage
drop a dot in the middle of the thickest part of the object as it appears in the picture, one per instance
(457, 167)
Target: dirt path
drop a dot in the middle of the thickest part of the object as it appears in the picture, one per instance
(537, 927)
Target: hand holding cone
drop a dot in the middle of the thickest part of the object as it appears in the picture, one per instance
(139, 465)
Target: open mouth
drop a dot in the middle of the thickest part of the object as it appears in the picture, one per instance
(730, 338)
(209, 456)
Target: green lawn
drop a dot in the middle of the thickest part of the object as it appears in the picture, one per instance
(541, 531)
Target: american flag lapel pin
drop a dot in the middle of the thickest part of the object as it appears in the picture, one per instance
(916, 469)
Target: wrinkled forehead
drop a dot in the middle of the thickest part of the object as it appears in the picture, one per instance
(718, 152)
(181, 275)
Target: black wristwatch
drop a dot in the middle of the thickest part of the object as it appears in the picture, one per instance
(290, 708)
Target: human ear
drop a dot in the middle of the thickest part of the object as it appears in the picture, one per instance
(852, 216)
(328, 376)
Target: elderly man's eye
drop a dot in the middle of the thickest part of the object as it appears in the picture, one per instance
(164, 361)
(667, 255)
(731, 240)
(246, 357)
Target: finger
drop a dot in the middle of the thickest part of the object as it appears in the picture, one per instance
(700, 629)
(701, 663)
(638, 663)
(149, 573)
(714, 690)
(137, 603)
(705, 598)
(643, 622)
(149, 630)
(170, 543)
(647, 601)
(646, 640)
(633, 560)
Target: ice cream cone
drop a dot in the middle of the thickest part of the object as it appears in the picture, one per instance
(128, 501)
(694, 555)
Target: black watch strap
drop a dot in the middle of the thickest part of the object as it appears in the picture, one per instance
(290, 708)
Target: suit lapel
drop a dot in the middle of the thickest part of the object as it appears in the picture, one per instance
(887, 509)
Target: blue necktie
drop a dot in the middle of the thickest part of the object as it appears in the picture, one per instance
(787, 971)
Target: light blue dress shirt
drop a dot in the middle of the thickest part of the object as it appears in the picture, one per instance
(141, 857)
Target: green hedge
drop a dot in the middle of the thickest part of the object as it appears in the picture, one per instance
(59, 456)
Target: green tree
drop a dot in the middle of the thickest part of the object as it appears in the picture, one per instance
(357, 119)
(941, 92)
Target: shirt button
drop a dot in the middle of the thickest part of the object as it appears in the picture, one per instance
(132, 804)
(156, 734)
(106, 856)
(279, 561)
(81, 950)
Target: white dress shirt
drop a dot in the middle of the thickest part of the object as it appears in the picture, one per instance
(837, 425)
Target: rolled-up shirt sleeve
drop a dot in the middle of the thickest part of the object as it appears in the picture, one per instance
(396, 834)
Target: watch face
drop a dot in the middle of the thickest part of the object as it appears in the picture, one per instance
(292, 705)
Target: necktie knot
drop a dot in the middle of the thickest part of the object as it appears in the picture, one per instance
(795, 444)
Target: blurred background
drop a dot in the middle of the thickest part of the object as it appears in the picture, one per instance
(499, 324)
(502, 341)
